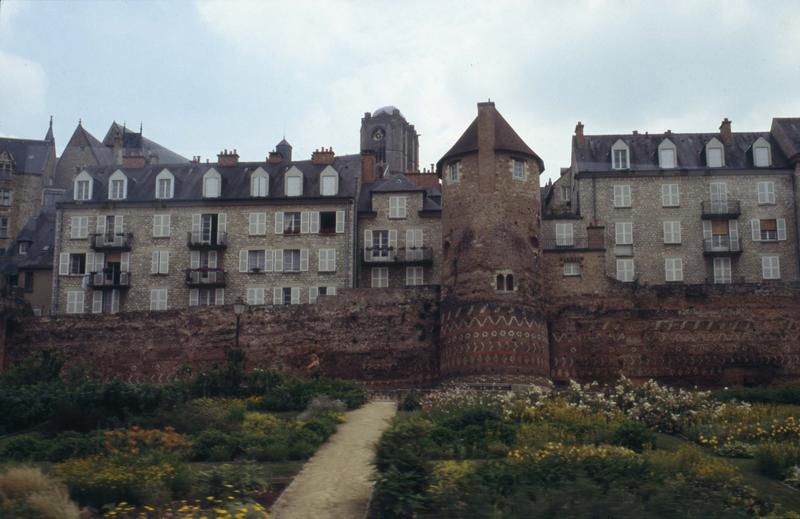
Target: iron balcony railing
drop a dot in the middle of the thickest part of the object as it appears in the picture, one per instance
(721, 209)
(725, 280)
(203, 277)
(99, 280)
(398, 255)
(565, 243)
(207, 240)
(112, 241)
(722, 245)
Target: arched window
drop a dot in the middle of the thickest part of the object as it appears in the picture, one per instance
(212, 183)
(117, 186)
(667, 155)
(293, 182)
(259, 183)
(329, 182)
(620, 155)
(762, 153)
(715, 154)
(500, 283)
(509, 282)
(83, 186)
(165, 185)
(504, 281)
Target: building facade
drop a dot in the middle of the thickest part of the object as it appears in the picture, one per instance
(392, 139)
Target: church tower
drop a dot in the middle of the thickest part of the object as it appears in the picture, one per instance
(394, 141)
(493, 325)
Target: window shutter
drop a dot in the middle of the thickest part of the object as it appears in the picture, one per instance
(781, 229)
(393, 239)
(313, 294)
(196, 224)
(303, 260)
(243, 266)
(314, 222)
(755, 227)
(253, 227)
(277, 296)
(97, 301)
(99, 261)
(119, 224)
(367, 243)
(100, 226)
(733, 231)
(73, 228)
(154, 262)
(267, 260)
(222, 226)
(279, 222)
(115, 301)
(410, 238)
(262, 223)
(219, 296)
(166, 225)
(706, 230)
(156, 225)
(304, 222)
(212, 259)
(63, 264)
(125, 262)
(320, 260)
(403, 206)
(332, 259)
(295, 295)
(331, 291)
(278, 263)
(163, 268)
(339, 221)
(194, 259)
(80, 302)
(194, 297)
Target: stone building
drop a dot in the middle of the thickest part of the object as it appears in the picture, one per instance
(391, 138)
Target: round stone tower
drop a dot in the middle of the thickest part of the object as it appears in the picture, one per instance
(493, 325)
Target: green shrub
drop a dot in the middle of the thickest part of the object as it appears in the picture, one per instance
(210, 444)
(30, 447)
(773, 458)
(410, 401)
(73, 445)
(260, 423)
(634, 435)
(202, 414)
(766, 395)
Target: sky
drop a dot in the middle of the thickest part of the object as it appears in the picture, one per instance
(202, 76)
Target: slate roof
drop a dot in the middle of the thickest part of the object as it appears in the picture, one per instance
(235, 179)
(136, 141)
(595, 154)
(30, 156)
(40, 231)
(397, 183)
(786, 131)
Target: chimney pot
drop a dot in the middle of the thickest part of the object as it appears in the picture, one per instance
(725, 131)
(579, 138)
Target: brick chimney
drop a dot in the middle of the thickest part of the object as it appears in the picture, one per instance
(133, 159)
(368, 175)
(274, 158)
(195, 159)
(579, 134)
(227, 158)
(323, 156)
(725, 132)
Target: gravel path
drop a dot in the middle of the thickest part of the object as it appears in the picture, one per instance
(336, 482)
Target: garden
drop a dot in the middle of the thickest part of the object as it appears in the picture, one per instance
(621, 450)
(216, 444)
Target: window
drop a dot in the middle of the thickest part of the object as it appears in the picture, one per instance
(454, 172)
(414, 276)
(380, 244)
(161, 225)
(22, 247)
(294, 182)
(766, 192)
(329, 182)
(72, 264)
(286, 295)
(565, 194)
(6, 164)
(3, 227)
(159, 263)
(770, 267)
(79, 227)
(719, 196)
(291, 223)
(315, 292)
(666, 158)
(165, 185)
(673, 269)
(206, 296)
(572, 268)
(327, 260)
(5, 197)
(519, 169)
(257, 224)
(327, 222)
(722, 270)
(291, 260)
(672, 232)
(259, 183)
(75, 300)
(255, 296)
(158, 299)
(83, 186)
(625, 271)
(564, 237)
(414, 245)
(211, 184)
(117, 186)
(623, 232)
(762, 156)
(622, 196)
(256, 260)
(714, 154)
(380, 277)
(504, 282)
(768, 230)
(397, 206)
(670, 195)
(619, 155)
(28, 282)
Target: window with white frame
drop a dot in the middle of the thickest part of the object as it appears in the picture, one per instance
(414, 245)
(771, 267)
(414, 276)
(620, 155)
(159, 262)
(256, 296)
(622, 195)
(769, 229)
(722, 270)
(293, 182)
(79, 227)
(715, 157)
(72, 264)
(673, 269)
(454, 172)
(572, 268)
(75, 301)
(380, 277)
(259, 183)
(380, 244)
(162, 226)
(5, 197)
(564, 235)
(397, 206)
(762, 155)
(256, 260)
(22, 247)
(766, 192)
(165, 185)
(291, 222)
(518, 171)
(565, 194)
(672, 232)
(6, 163)
(212, 184)
(286, 296)
(257, 224)
(327, 260)
(666, 154)
(670, 195)
(625, 270)
(158, 299)
(291, 260)
(623, 233)
(83, 186)
(329, 182)
(117, 186)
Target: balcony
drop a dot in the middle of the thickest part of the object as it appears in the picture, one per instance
(721, 209)
(565, 244)
(101, 280)
(726, 280)
(722, 246)
(205, 277)
(207, 240)
(398, 256)
(112, 242)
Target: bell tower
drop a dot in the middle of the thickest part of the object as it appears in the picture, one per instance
(394, 141)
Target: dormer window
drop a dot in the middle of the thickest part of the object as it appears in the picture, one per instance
(212, 183)
(715, 156)
(762, 153)
(6, 163)
(117, 186)
(83, 186)
(329, 182)
(667, 155)
(620, 155)
(259, 183)
(24, 246)
(294, 182)
(165, 185)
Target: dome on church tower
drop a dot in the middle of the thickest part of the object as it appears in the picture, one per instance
(388, 109)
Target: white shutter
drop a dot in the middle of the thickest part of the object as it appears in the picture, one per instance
(194, 297)
(279, 222)
(339, 221)
(212, 259)
(733, 231)
(100, 226)
(196, 224)
(277, 296)
(222, 226)
(367, 243)
(163, 267)
(219, 296)
(63, 264)
(295, 295)
(166, 225)
(313, 294)
(115, 301)
(267, 260)
(755, 227)
(331, 291)
(253, 224)
(243, 266)
(278, 263)
(332, 259)
(314, 224)
(99, 261)
(194, 259)
(303, 260)
(156, 225)
(403, 206)
(706, 230)
(392, 239)
(97, 301)
(320, 260)
(304, 222)
(119, 224)
(125, 262)
(781, 229)
(154, 262)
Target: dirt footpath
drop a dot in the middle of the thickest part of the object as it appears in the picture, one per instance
(336, 482)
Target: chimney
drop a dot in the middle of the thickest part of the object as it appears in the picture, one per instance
(133, 159)
(579, 134)
(195, 159)
(323, 156)
(228, 158)
(725, 132)
(368, 175)
(274, 158)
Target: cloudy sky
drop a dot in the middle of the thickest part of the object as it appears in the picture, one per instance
(203, 76)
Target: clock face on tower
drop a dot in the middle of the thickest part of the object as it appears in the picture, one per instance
(377, 135)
